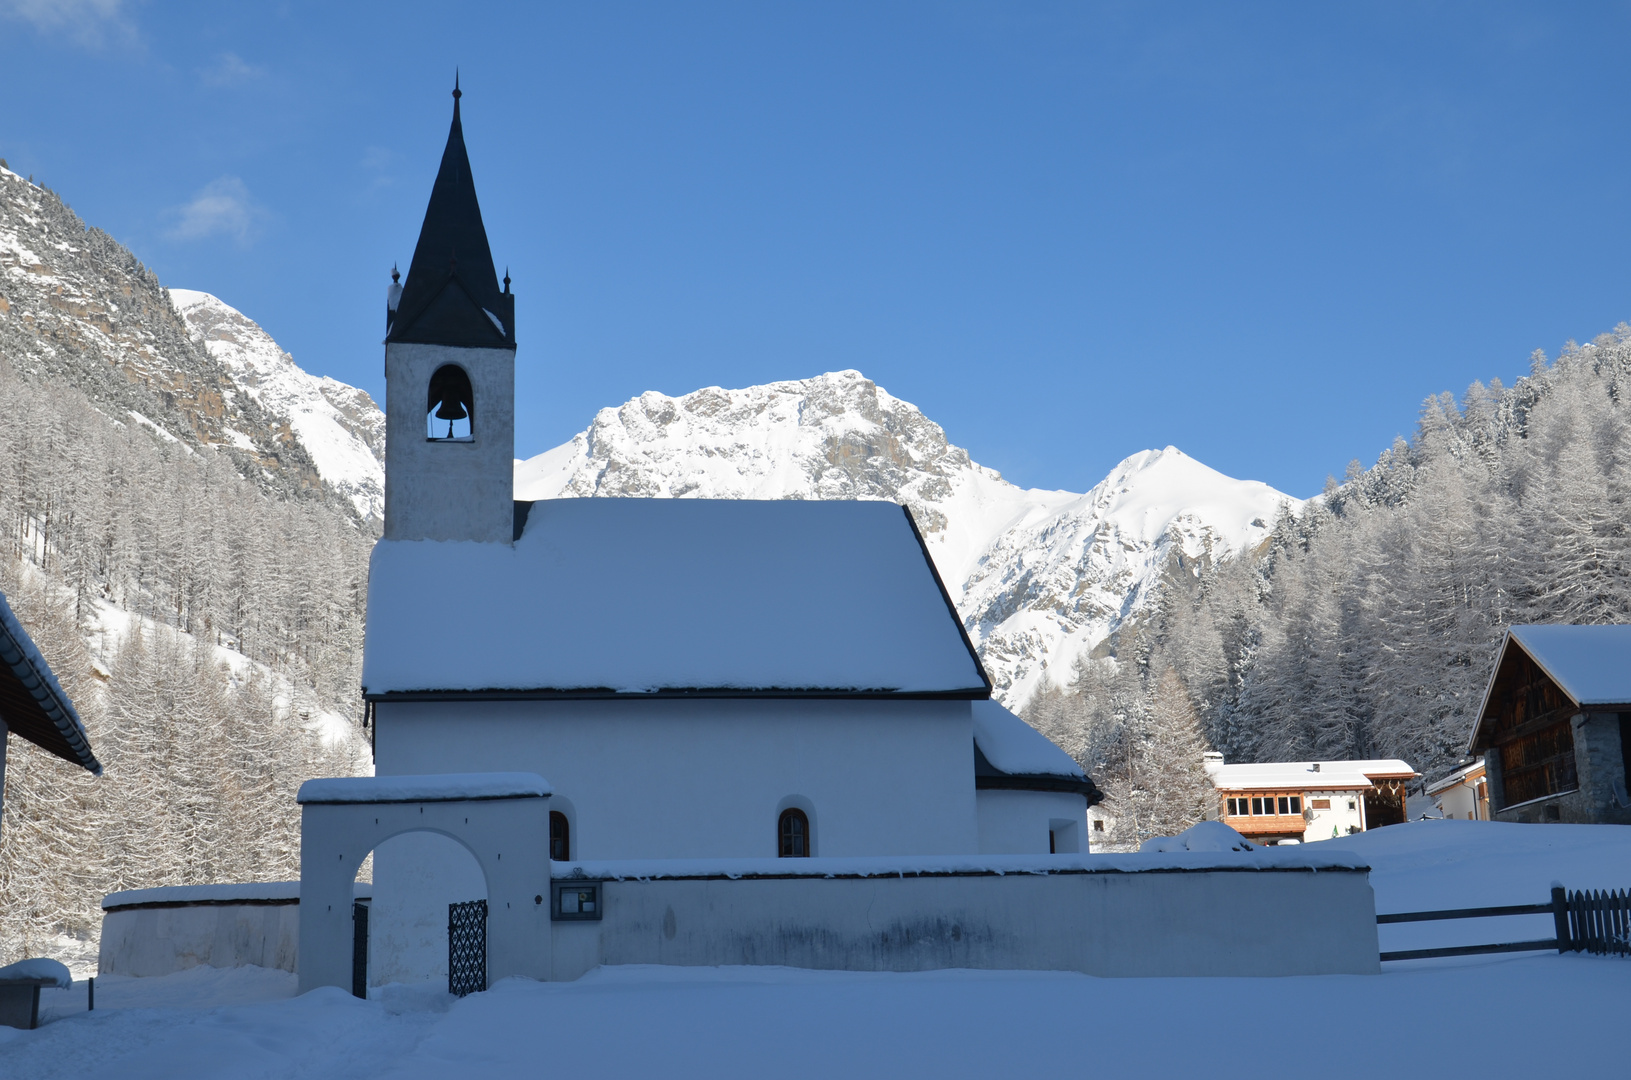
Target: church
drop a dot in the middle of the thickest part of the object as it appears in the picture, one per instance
(696, 679)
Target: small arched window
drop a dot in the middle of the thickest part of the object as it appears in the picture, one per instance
(560, 837)
(793, 835)
(450, 406)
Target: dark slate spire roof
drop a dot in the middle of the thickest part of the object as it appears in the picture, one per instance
(452, 295)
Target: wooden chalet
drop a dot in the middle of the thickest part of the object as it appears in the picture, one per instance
(1298, 801)
(1554, 728)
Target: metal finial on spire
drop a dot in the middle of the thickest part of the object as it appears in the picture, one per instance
(506, 279)
(457, 94)
(396, 275)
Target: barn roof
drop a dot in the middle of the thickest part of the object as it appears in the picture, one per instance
(613, 597)
(32, 702)
(1590, 664)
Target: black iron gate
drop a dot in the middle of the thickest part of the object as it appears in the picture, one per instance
(466, 947)
(359, 948)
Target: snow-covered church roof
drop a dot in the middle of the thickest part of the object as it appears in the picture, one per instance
(671, 596)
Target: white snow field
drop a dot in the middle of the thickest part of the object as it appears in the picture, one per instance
(1551, 1015)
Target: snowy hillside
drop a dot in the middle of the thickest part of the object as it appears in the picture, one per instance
(339, 425)
(1037, 575)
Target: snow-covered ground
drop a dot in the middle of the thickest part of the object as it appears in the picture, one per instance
(1555, 1015)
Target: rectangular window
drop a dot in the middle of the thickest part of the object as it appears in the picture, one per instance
(1098, 824)
(1319, 804)
(1257, 805)
(1285, 805)
(1235, 807)
(1296, 804)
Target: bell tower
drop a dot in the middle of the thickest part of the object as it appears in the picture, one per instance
(450, 373)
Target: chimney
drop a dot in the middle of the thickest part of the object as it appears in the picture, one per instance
(1316, 766)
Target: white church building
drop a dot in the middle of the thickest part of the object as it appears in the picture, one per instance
(697, 679)
(690, 732)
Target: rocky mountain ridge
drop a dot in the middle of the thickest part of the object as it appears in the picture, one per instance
(77, 306)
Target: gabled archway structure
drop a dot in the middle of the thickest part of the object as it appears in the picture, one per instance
(500, 818)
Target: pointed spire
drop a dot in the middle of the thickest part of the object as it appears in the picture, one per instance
(506, 281)
(452, 296)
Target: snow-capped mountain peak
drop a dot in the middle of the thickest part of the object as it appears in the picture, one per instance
(339, 425)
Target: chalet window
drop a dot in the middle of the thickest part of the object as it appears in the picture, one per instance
(1319, 804)
(1296, 804)
(1234, 807)
(560, 837)
(450, 406)
(1257, 804)
(1098, 824)
(793, 835)
(1539, 764)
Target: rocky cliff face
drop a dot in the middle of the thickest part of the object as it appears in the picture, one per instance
(78, 307)
(1038, 576)
(339, 426)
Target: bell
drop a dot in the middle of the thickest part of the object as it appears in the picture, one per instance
(451, 409)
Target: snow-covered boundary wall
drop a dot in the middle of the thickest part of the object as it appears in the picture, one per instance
(1131, 916)
(162, 931)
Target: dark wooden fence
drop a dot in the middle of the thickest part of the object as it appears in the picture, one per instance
(1592, 921)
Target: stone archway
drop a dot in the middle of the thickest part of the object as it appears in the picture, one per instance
(500, 818)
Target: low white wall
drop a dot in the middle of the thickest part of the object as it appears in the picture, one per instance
(159, 941)
(1176, 922)
(162, 931)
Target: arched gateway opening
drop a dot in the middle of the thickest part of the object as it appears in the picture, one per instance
(423, 891)
(434, 839)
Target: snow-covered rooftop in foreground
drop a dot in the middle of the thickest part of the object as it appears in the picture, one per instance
(1016, 747)
(438, 787)
(647, 595)
(1591, 663)
(1303, 776)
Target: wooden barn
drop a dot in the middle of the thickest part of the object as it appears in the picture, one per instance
(1554, 729)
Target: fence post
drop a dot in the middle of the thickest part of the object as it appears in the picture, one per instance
(1560, 919)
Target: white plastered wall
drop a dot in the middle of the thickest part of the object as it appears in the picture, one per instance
(1174, 923)
(1457, 801)
(685, 778)
(1018, 822)
(1347, 813)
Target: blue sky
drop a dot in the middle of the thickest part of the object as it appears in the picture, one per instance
(1261, 232)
